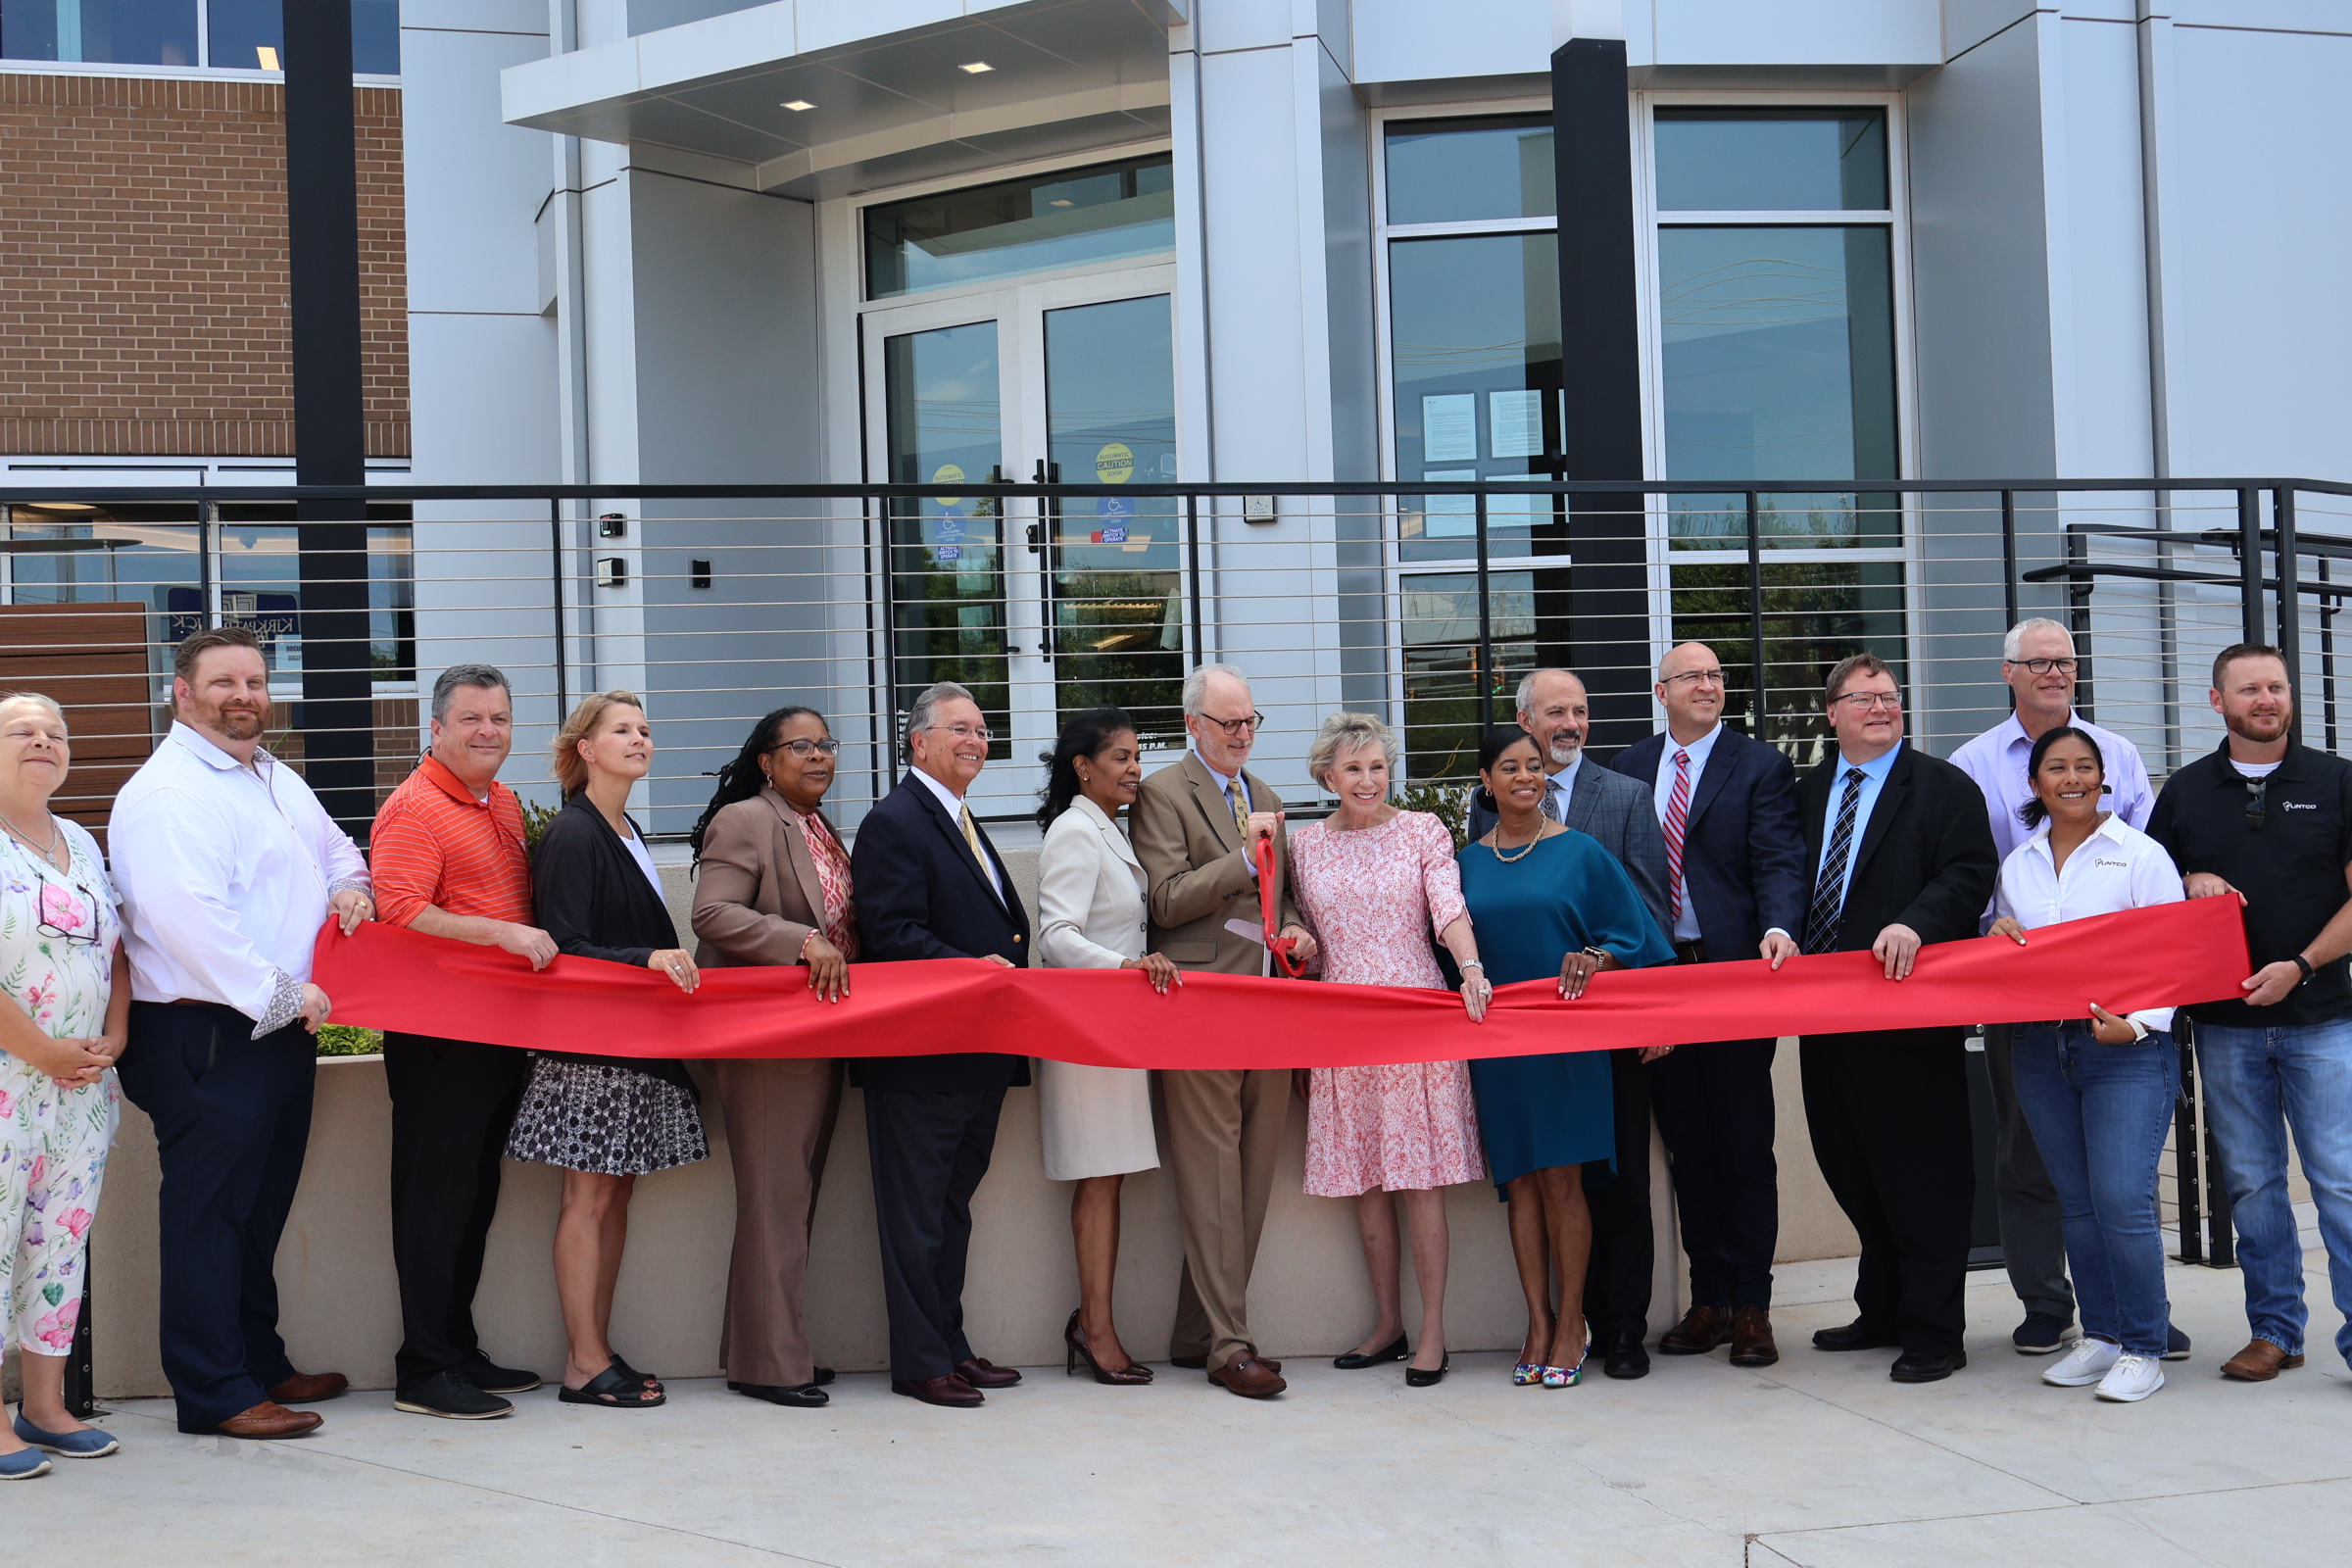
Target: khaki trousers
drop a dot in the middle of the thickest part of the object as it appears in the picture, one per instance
(1225, 1132)
(779, 1125)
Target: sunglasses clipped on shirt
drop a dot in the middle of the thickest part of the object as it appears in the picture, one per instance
(81, 937)
(2257, 801)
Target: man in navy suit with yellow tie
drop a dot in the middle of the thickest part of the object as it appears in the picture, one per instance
(931, 886)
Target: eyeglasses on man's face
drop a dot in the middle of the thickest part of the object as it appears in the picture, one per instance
(1865, 701)
(2042, 667)
(1236, 728)
(965, 732)
(1691, 679)
(802, 745)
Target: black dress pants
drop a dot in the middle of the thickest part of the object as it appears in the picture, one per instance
(453, 1104)
(1715, 1113)
(1890, 1118)
(1624, 1246)
(232, 1121)
(929, 1152)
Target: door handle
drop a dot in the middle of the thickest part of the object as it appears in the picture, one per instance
(1041, 536)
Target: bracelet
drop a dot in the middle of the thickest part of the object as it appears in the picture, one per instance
(1472, 963)
(2304, 964)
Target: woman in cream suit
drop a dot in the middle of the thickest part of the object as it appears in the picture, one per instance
(1097, 1121)
(772, 887)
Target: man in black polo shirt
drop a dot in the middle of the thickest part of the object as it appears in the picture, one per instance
(2268, 821)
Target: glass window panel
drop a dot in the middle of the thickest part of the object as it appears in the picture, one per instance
(238, 30)
(1475, 323)
(1118, 603)
(1104, 213)
(944, 425)
(1438, 622)
(1778, 354)
(1751, 160)
(124, 32)
(1456, 170)
(1815, 613)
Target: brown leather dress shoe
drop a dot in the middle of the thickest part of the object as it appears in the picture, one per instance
(2259, 1363)
(982, 1373)
(309, 1388)
(1248, 1377)
(1702, 1329)
(270, 1419)
(1752, 1338)
(951, 1391)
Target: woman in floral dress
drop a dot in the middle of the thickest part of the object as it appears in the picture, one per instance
(62, 965)
(1373, 882)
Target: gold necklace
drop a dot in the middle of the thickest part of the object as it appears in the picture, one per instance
(1524, 849)
(25, 838)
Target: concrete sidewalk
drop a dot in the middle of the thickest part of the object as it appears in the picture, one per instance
(1818, 1461)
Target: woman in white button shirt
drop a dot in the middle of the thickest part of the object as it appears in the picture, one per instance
(2098, 1092)
(1095, 1121)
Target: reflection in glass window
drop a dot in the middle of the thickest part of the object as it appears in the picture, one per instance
(1475, 343)
(1815, 613)
(123, 32)
(1778, 354)
(1099, 213)
(1456, 170)
(249, 35)
(1757, 160)
(1439, 622)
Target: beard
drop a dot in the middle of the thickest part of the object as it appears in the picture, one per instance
(239, 723)
(2261, 729)
(1563, 749)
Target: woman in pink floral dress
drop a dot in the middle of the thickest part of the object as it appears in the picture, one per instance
(1373, 882)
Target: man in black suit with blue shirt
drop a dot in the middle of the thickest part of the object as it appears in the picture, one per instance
(1591, 799)
(931, 886)
(1726, 805)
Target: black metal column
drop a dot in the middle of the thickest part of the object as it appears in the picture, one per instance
(1600, 363)
(331, 432)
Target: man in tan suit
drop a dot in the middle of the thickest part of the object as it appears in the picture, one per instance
(1196, 829)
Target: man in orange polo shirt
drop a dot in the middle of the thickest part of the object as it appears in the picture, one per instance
(448, 859)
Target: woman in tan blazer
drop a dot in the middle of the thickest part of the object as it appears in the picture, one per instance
(773, 888)
(1095, 1121)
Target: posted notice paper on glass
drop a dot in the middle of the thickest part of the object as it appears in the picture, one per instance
(1449, 516)
(1449, 427)
(1515, 423)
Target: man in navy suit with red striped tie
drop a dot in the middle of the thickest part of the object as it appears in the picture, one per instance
(1736, 889)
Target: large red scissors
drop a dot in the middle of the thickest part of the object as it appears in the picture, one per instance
(1269, 902)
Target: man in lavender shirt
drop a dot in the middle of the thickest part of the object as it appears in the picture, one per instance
(2037, 660)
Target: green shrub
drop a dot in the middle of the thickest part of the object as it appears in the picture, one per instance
(349, 1040)
(1447, 799)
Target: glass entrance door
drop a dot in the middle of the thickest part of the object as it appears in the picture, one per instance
(1042, 611)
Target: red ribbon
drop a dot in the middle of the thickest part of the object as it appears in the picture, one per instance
(389, 978)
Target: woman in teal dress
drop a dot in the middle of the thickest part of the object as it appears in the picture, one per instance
(1547, 901)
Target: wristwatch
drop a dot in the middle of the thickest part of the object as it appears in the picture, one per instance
(2304, 964)
(1598, 955)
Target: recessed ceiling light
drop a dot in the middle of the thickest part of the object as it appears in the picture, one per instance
(976, 68)
(799, 105)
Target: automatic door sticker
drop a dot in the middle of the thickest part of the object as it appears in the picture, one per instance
(947, 530)
(1113, 465)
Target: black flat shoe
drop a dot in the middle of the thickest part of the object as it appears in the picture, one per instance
(1623, 1357)
(1356, 1360)
(824, 1375)
(491, 1378)
(805, 1397)
(1191, 1363)
(1854, 1336)
(1416, 1378)
(1915, 1366)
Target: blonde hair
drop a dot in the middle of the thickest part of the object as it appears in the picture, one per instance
(1344, 732)
(10, 698)
(572, 771)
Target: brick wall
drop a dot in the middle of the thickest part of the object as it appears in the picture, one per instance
(143, 268)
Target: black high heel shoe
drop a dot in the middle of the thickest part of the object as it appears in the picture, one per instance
(1356, 1361)
(1416, 1378)
(1133, 1375)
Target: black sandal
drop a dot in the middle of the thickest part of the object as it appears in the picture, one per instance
(613, 1390)
(627, 1371)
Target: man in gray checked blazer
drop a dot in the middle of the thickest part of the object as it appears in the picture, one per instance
(1621, 813)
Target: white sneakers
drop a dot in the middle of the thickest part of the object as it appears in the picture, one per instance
(2084, 1364)
(2122, 1379)
(2132, 1378)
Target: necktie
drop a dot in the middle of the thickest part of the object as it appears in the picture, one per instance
(1828, 893)
(972, 836)
(1552, 802)
(1236, 795)
(1678, 818)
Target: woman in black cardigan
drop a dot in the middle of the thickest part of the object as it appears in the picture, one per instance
(604, 1121)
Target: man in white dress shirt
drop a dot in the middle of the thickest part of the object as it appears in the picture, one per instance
(2037, 660)
(228, 866)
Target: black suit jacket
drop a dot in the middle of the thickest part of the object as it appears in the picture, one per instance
(1743, 862)
(591, 897)
(1926, 860)
(921, 894)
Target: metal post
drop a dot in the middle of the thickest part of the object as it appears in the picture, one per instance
(1486, 629)
(2009, 555)
(2290, 600)
(2327, 612)
(1192, 553)
(2249, 562)
(81, 1383)
(2188, 1177)
(1758, 709)
(555, 558)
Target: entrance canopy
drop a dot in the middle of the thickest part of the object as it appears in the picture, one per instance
(816, 102)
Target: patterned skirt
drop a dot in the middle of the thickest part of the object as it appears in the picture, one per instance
(614, 1121)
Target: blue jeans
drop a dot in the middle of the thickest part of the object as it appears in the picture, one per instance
(2099, 1115)
(2252, 1076)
